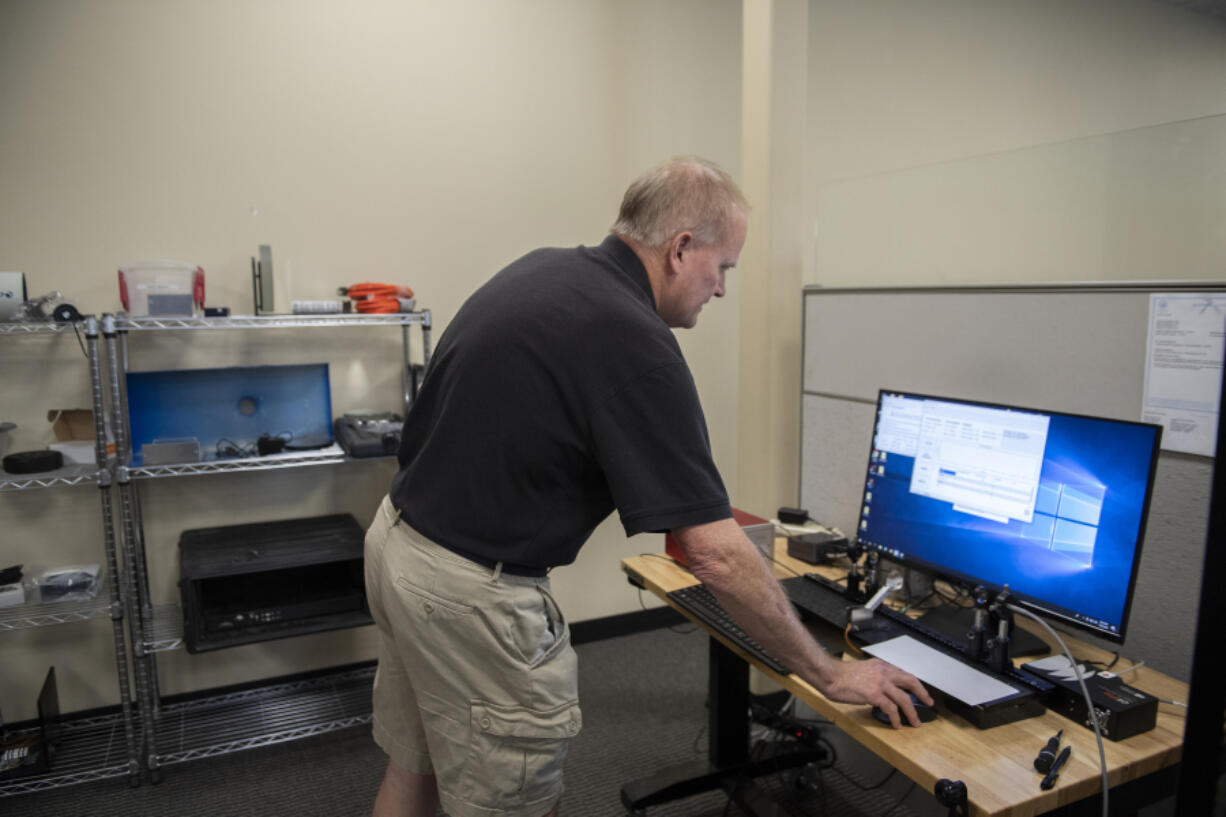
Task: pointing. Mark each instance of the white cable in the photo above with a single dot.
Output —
(1137, 665)
(1102, 754)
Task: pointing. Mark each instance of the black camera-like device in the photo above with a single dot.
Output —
(369, 434)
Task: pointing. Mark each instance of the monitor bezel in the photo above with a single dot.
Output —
(1033, 603)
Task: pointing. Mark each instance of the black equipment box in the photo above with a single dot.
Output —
(245, 583)
(369, 434)
(817, 547)
(1121, 710)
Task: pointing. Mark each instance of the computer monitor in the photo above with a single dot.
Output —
(1051, 505)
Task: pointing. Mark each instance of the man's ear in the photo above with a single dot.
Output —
(681, 244)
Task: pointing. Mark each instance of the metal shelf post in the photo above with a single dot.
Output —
(135, 603)
(112, 561)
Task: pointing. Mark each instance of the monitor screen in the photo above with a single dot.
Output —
(230, 407)
(1051, 505)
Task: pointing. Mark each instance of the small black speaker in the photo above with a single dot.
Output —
(33, 462)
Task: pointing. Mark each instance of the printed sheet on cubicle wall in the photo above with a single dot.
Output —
(228, 410)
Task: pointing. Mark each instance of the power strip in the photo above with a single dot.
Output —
(806, 733)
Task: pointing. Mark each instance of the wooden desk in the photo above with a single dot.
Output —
(995, 764)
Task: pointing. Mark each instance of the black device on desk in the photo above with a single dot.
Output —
(1121, 710)
(816, 547)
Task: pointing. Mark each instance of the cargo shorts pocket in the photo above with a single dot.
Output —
(517, 753)
(535, 628)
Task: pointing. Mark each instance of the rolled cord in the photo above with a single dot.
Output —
(1102, 754)
(847, 639)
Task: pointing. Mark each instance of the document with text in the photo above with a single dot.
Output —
(1183, 369)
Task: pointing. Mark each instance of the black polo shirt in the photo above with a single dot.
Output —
(555, 395)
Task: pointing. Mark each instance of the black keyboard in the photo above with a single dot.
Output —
(826, 599)
(699, 602)
(817, 596)
(829, 584)
(915, 626)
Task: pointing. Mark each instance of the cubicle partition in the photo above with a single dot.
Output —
(1078, 348)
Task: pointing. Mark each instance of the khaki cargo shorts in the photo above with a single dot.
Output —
(477, 680)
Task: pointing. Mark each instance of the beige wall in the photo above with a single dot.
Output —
(956, 141)
(429, 143)
(424, 143)
(967, 141)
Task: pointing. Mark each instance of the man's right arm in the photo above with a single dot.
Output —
(723, 558)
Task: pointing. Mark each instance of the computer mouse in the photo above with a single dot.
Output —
(926, 713)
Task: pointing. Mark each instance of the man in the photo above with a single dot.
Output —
(556, 395)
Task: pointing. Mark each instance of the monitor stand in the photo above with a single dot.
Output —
(956, 622)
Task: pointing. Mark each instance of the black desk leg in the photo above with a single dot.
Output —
(727, 707)
(728, 765)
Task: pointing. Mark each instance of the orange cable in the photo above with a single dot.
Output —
(370, 298)
(847, 638)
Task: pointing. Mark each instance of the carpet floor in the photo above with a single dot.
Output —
(644, 708)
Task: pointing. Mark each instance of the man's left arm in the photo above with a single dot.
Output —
(723, 558)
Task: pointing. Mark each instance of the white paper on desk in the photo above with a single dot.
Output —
(942, 671)
(1183, 369)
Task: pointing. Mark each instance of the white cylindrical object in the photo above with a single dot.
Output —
(326, 307)
(12, 295)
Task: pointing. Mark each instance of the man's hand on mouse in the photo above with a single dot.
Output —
(880, 684)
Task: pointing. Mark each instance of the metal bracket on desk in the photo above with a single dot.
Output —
(728, 766)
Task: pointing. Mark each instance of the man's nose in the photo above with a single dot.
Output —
(719, 289)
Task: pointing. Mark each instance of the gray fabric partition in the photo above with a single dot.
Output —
(1077, 348)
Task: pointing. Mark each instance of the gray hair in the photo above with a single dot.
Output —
(683, 193)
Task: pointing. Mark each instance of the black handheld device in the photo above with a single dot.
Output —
(1053, 773)
(1047, 755)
